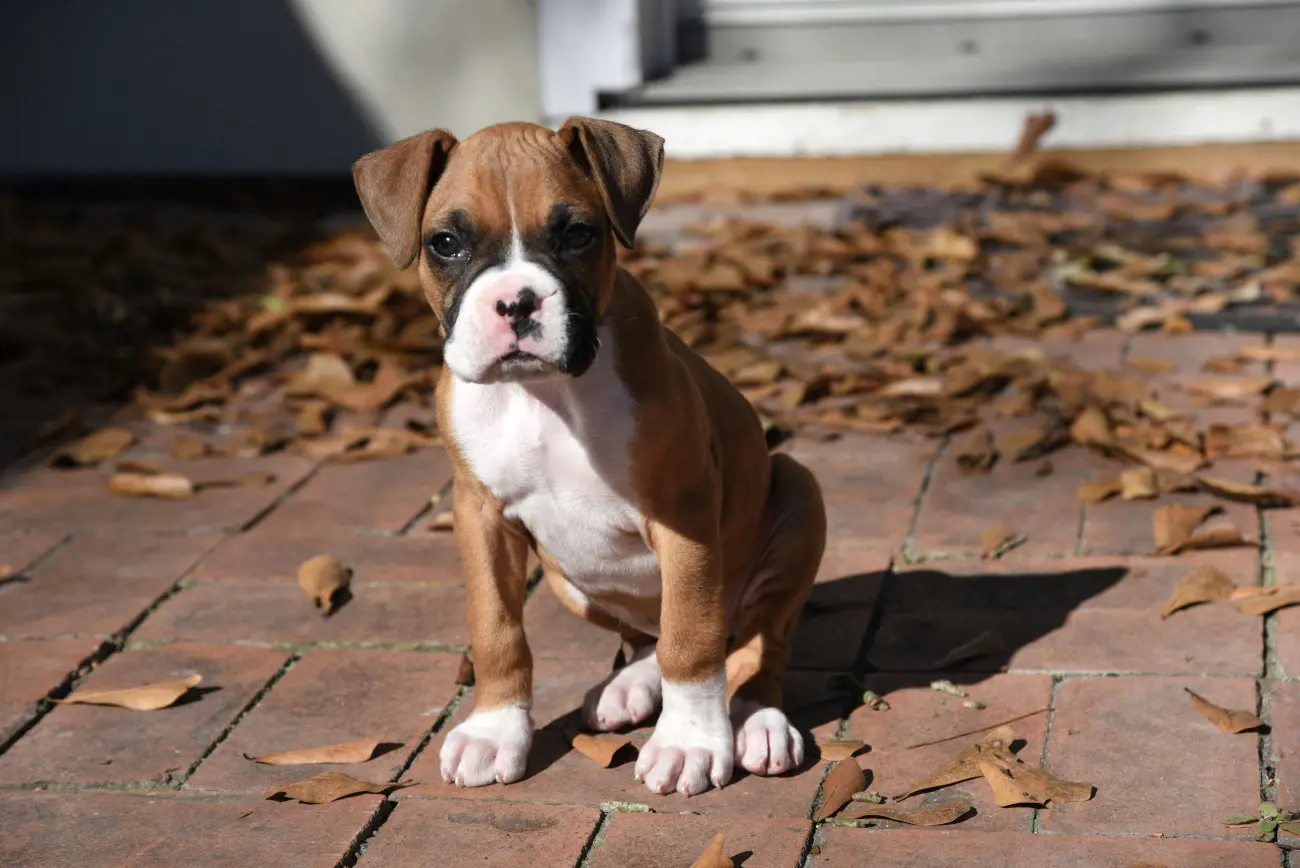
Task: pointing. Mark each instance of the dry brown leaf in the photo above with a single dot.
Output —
(1220, 535)
(1037, 125)
(1138, 483)
(999, 539)
(168, 486)
(995, 747)
(1247, 492)
(1279, 596)
(443, 521)
(1228, 388)
(1251, 591)
(976, 451)
(344, 752)
(1097, 490)
(326, 375)
(103, 444)
(845, 779)
(1172, 525)
(330, 787)
(1091, 428)
(322, 578)
(1022, 444)
(1150, 366)
(187, 447)
(1205, 584)
(834, 751)
(1022, 784)
(601, 748)
(313, 417)
(146, 697)
(714, 855)
(937, 815)
(1231, 722)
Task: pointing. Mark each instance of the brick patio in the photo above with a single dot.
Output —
(110, 592)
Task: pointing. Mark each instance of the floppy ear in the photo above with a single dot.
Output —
(394, 183)
(625, 163)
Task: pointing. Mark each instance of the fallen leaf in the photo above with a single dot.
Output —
(976, 451)
(1280, 597)
(937, 815)
(343, 752)
(964, 766)
(998, 726)
(1221, 535)
(168, 486)
(327, 375)
(1150, 366)
(845, 779)
(330, 787)
(987, 643)
(1022, 444)
(313, 417)
(834, 751)
(600, 749)
(1172, 525)
(146, 697)
(93, 448)
(1247, 492)
(1037, 125)
(1097, 490)
(443, 521)
(1228, 388)
(243, 815)
(1091, 428)
(1138, 483)
(999, 539)
(714, 855)
(1205, 584)
(1019, 783)
(322, 577)
(187, 447)
(1231, 722)
(943, 685)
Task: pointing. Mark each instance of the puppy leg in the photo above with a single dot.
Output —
(766, 743)
(492, 744)
(630, 694)
(692, 743)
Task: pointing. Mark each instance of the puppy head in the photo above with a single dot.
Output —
(513, 231)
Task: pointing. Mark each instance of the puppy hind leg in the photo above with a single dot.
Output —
(766, 742)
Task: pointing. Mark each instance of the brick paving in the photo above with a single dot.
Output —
(108, 592)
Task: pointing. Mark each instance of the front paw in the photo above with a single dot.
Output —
(692, 744)
(627, 697)
(766, 743)
(489, 746)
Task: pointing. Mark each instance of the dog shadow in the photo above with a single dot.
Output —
(905, 629)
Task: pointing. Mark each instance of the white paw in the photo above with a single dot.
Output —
(766, 743)
(489, 746)
(626, 697)
(691, 746)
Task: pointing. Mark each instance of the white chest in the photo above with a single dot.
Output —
(555, 452)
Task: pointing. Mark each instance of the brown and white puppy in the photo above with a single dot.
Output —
(581, 428)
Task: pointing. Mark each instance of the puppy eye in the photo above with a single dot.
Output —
(445, 245)
(577, 237)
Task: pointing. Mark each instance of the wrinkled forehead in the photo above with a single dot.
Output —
(523, 181)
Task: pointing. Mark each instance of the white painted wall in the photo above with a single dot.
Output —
(413, 64)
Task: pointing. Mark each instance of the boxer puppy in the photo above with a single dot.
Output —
(582, 429)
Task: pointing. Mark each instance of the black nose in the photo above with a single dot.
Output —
(521, 308)
(520, 312)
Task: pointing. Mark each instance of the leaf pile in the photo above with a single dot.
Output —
(322, 347)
